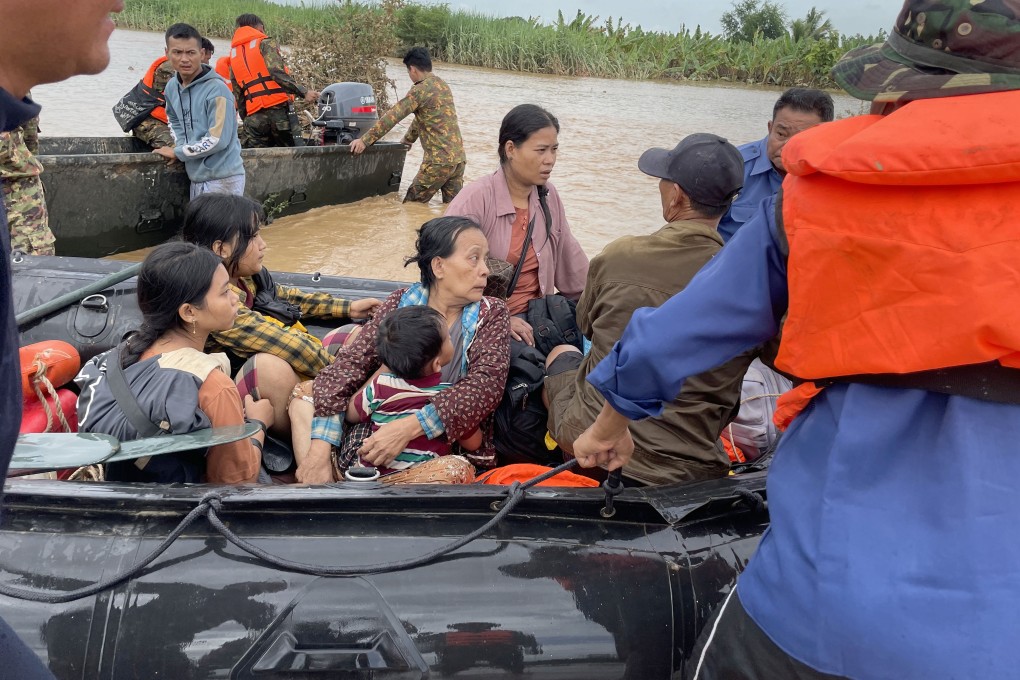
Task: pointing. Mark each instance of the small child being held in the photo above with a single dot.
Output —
(414, 345)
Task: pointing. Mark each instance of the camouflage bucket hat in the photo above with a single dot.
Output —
(939, 49)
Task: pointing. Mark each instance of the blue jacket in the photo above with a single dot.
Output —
(18, 660)
(761, 181)
(893, 550)
(12, 114)
(204, 124)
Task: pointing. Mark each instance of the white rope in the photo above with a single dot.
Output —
(39, 378)
(711, 636)
(88, 473)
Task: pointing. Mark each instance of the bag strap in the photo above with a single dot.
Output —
(543, 191)
(520, 263)
(125, 398)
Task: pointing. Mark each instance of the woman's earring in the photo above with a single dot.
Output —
(194, 328)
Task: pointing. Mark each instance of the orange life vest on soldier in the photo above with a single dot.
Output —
(251, 73)
(904, 240)
(159, 113)
(223, 68)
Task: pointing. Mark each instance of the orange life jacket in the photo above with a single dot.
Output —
(904, 239)
(251, 73)
(159, 113)
(523, 472)
(223, 68)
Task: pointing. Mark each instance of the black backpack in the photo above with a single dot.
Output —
(553, 319)
(520, 418)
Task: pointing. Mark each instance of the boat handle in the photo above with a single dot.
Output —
(96, 303)
(382, 654)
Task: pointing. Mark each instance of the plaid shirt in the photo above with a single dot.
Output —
(253, 332)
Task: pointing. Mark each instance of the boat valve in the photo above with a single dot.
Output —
(613, 486)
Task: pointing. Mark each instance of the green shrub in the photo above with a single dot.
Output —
(346, 41)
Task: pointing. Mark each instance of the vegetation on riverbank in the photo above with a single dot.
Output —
(344, 40)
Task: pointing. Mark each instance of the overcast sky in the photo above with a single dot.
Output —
(848, 16)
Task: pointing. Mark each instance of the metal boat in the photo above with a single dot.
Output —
(109, 195)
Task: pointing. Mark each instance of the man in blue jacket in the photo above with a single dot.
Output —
(74, 35)
(200, 109)
(796, 110)
(892, 550)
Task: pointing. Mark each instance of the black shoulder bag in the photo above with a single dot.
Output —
(520, 418)
(184, 467)
(495, 286)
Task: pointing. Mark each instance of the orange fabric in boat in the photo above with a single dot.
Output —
(524, 472)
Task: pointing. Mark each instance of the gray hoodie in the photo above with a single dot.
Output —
(204, 124)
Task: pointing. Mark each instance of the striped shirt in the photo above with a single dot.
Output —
(388, 398)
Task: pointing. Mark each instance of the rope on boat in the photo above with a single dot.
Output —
(212, 503)
(39, 380)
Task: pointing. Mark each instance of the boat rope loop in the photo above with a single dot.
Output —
(753, 500)
(613, 486)
(212, 504)
(39, 380)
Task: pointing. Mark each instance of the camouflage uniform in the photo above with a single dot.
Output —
(435, 121)
(23, 190)
(153, 131)
(957, 33)
(269, 127)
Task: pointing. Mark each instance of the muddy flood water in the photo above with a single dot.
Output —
(605, 126)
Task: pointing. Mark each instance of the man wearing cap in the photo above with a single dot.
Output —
(698, 180)
(892, 249)
(796, 110)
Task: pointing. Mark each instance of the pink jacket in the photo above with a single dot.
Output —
(562, 265)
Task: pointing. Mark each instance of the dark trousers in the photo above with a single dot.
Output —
(733, 647)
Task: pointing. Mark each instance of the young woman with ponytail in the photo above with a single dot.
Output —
(184, 295)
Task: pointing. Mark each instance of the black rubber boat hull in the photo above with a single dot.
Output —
(110, 195)
(555, 591)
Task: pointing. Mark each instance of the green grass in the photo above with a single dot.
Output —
(581, 47)
(216, 17)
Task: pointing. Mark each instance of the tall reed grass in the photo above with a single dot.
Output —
(581, 47)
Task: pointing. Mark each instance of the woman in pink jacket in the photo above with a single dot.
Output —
(518, 196)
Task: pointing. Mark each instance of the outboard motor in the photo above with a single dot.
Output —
(346, 111)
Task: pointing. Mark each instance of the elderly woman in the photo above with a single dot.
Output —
(451, 255)
(518, 200)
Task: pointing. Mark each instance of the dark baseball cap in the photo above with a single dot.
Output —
(707, 167)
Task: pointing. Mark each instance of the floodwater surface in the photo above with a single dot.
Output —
(605, 126)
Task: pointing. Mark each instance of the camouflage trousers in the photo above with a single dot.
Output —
(154, 132)
(267, 127)
(432, 178)
(27, 216)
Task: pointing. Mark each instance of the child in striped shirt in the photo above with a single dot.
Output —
(413, 344)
